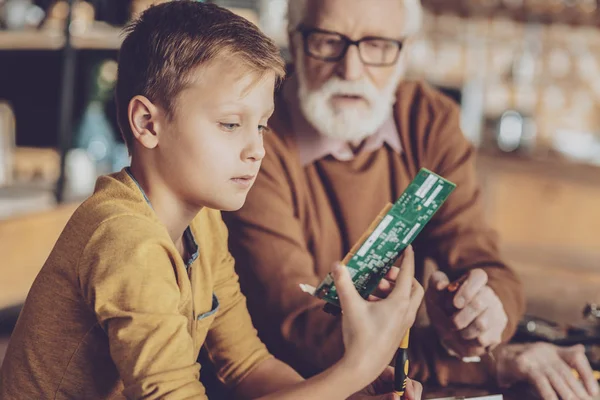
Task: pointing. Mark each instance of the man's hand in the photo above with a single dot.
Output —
(383, 389)
(476, 319)
(548, 368)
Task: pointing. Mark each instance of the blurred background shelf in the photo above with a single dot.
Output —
(31, 40)
(99, 38)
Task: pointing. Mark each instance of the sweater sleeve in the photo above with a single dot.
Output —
(458, 238)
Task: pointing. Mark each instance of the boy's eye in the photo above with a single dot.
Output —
(262, 129)
(229, 127)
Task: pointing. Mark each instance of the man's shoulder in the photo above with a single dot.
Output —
(424, 115)
(112, 224)
(420, 96)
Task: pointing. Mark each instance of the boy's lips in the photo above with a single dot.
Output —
(244, 180)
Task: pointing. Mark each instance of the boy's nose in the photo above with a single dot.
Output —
(255, 151)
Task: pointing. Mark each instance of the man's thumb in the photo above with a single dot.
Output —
(344, 286)
(438, 280)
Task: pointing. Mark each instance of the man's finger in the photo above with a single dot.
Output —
(477, 280)
(575, 358)
(437, 314)
(558, 383)
(346, 291)
(473, 309)
(438, 281)
(479, 326)
(577, 387)
(405, 277)
(543, 386)
(491, 337)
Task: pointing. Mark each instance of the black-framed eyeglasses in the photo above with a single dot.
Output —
(332, 46)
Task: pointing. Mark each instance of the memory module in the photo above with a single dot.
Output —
(394, 229)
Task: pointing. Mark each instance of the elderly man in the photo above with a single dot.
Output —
(348, 137)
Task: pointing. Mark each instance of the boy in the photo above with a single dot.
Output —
(141, 278)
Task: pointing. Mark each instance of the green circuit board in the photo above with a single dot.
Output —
(391, 232)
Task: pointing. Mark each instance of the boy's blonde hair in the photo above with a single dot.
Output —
(169, 41)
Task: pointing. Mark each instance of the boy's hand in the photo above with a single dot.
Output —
(372, 331)
(383, 389)
(478, 318)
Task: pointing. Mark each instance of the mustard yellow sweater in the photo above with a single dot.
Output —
(116, 312)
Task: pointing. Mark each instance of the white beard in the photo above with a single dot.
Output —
(350, 123)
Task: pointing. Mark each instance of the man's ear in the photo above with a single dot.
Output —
(144, 121)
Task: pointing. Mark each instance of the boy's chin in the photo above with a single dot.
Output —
(230, 204)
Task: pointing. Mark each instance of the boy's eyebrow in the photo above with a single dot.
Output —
(229, 106)
(232, 106)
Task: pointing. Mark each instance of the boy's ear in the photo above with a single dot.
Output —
(144, 120)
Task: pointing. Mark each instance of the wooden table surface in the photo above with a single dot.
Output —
(518, 393)
(464, 391)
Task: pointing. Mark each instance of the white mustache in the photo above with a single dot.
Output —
(337, 87)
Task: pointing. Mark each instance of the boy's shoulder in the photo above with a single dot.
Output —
(116, 200)
(117, 211)
(118, 205)
(118, 216)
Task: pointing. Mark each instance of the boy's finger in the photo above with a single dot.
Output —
(383, 289)
(416, 297)
(418, 390)
(346, 291)
(373, 298)
(414, 390)
(405, 276)
(392, 274)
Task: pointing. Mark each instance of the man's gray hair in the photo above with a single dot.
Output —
(413, 22)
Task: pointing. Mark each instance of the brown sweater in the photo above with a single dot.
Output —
(116, 311)
(298, 220)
